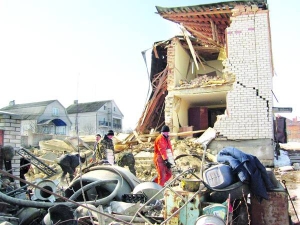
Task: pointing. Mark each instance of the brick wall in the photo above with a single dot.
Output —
(170, 80)
(249, 104)
(11, 125)
(293, 130)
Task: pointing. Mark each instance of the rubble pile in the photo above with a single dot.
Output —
(118, 190)
(200, 81)
(187, 153)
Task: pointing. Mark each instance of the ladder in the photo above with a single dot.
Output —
(35, 161)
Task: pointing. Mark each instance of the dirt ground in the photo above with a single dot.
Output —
(292, 179)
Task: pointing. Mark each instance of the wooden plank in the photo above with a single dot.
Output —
(193, 52)
(213, 31)
(186, 133)
(211, 41)
(196, 14)
(137, 136)
(151, 132)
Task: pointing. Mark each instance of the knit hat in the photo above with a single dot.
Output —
(165, 129)
(110, 132)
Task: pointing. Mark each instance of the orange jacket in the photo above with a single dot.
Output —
(161, 144)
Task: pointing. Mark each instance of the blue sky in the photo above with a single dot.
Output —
(90, 50)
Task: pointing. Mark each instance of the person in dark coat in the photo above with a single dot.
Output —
(24, 168)
(68, 164)
(105, 145)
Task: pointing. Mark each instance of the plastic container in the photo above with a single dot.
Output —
(209, 220)
(149, 189)
(219, 210)
(110, 156)
(219, 176)
(170, 156)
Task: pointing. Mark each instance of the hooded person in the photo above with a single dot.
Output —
(68, 164)
(106, 149)
(162, 145)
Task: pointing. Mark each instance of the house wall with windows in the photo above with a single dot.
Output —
(109, 117)
(86, 123)
(100, 120)
(56, 111)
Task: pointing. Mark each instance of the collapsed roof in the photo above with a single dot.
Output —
(207, 25)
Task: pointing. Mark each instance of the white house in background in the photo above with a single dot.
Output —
(95, 117)
(47, 117)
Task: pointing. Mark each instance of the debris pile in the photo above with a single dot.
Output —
(201, 81)
(108, 194)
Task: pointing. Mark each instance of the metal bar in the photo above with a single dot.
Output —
(35, 161)
(62, 197)
(167, 186)
(190, 199)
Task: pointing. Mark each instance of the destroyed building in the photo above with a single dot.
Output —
(220, 76)
(217, 78)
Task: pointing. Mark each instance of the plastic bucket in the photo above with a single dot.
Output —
(216, 210)
(110, 156)
(209, 220)
(170, 156)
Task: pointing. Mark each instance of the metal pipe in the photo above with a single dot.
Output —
(19, 167)
(95, 183)
(165, 187)
(70, 203)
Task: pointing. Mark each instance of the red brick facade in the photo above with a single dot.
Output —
(293, 130)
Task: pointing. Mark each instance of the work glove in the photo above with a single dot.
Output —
(168, 164)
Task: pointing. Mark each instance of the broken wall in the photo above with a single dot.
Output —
(10, 124)
(181, 65)
(178, 101)
(249, 104)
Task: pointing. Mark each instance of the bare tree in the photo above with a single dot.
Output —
(88, 129)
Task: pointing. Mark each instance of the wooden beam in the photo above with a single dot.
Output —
(180, 134)
(204, 25)
(203, 48)
(188, 14)
(213, 32)
(152, 103)
(219, 21)
(137, 136)
(193, 52)
(186, 133)
(151, 132)
(204, 36)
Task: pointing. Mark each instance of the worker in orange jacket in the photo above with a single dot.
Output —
(162, 164)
